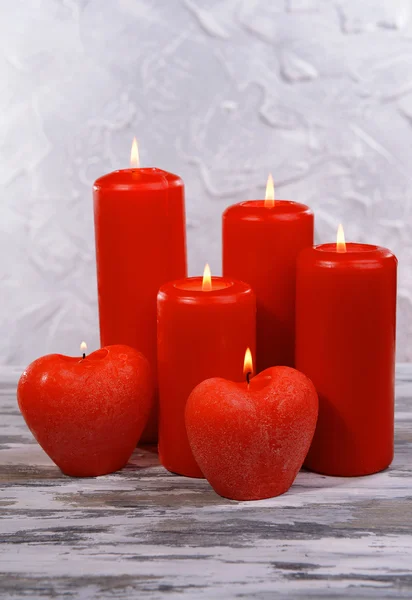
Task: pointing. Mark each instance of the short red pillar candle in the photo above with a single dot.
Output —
(202, 333)
(261, 241)
(345, 343)
(140, 244)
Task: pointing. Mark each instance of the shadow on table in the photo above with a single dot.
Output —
(144, 457)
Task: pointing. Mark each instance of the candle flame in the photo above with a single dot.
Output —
(248, 363)
(270, 193)
(83, 347)
(340, 240)
(134, 155)
(207, 279)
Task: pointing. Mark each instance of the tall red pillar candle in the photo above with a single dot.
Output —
(261, 241)
(140, 244)
(203, 331)
(345, 343)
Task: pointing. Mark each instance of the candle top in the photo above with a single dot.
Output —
(358, 255)
(78, 364)
(256, 384)
(189, 291)
(255, 210)
(148, 178)
(97, 355)
(351, 248)
(195, 284)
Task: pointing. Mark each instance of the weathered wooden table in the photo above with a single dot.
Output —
(144, 533)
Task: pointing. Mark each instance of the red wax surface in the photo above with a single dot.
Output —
(140, 244)
(250, 442)
(201, 334)
(345, 342)
(260, 247)
(87, 413)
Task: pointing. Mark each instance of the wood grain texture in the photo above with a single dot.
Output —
(145, 533)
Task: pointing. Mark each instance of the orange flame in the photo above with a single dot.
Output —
(270, 193)
(83, 348)
(340, 240)
(248, 364)
(207, 279)
(134, 155)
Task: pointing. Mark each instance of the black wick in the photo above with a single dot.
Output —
(248, 375)
(84, 354)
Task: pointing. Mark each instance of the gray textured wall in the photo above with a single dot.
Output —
(318, 92)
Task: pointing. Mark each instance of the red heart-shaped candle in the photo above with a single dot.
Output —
(251, 441)
(87, 413)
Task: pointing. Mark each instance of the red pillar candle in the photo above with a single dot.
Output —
(140, 244)
(204, 327)
(261, 241)
(345, 343)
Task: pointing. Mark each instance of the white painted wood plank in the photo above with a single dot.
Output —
(144, 532)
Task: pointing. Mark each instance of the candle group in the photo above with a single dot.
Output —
(329, 310)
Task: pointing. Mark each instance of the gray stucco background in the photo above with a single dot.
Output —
(222, 92)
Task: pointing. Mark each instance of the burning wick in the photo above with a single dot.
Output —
(248, 366)
(270, 193)
(83, 347)
(134, 155)
(340, 240)
(207, 279)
